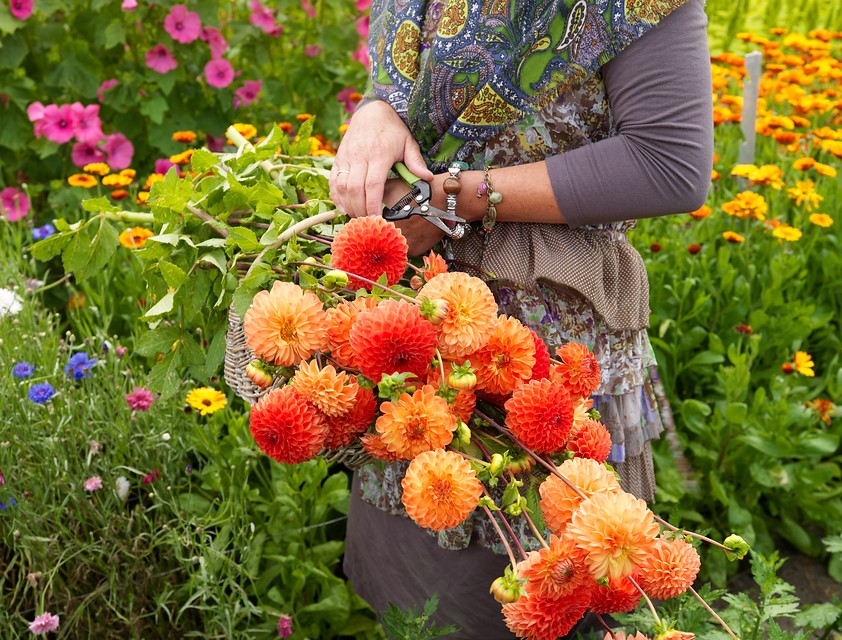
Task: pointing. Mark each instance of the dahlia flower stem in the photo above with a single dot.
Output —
(509, 529)
(608, 629)
(502, 536)
(713, 613)
(130, 216)
(535, 529)
(207, 218)
(468, 456)
(684, 532)
(238, 139)
(325, 216)
(648, 601)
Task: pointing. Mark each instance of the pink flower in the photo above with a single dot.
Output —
(262, 17)
(362, 26)
(120, 351)
(35, 113)
(363, 5)
(44, 623)
(182, 25)
(218, 45)
(309, 9)
(86, 123)
(247, 94)
(129, 5)
(215, 143)
(14, 204)
(285, 625)
(105, 86)
(361, 55)
(21, 9)
(344, 96)
(219, 73)
(312, 50)
(119, 151)
(140, 399)
(162, 165)
(159, 59)
(150, 477)
(86, 153)
(57, 124)
(94, 483)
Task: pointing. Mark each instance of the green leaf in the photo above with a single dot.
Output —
(202, 160)
(115, 33)
(159, 340)
(77, 70)
(244, 238)
(154, 108)
(217, 259)
(13, 52)
(173, 275)
(736, 412)
(49, 248)
(164, 376)
(820, 444)
(163, 306)
(242, 300)
(216, 351)
(833, 543)
(90, 249)
(818, 616)
(98, 205)
(704, 359)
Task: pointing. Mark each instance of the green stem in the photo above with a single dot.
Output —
(325, 216)
(648, 601)
(713, 613)
(684, 532)
(129, 216)
(502, 536)
(535, 529)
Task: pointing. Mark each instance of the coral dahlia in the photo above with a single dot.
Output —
(339, 321)
(541, 369)
(345, 428)
(374, 446)
(370, 247)
(670, 569)
(330, 392)
(616, 531)
(579, 369)
(540, 414)
(464, 403)
(471, 312)
(440, 489)
(592, 441)
(392, 338)
(286, 427)
(618, 596)
(506, 360)
(417, 423)
(285, 325)
(434, 264)
(535, 618)
(556, 571)
(559, 502)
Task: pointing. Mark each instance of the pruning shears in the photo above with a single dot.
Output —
(417, 203)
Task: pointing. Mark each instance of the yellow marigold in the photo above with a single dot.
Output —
(99, 168)
(733, 236)
(769, 174)
(330, 392)
(802, 164)
(804, 192)
(248, 131)
(670, 569)
(803, 363)
(785, 232)
(303, 117)
(471, 312)
(343, 128)
(82, 180)
(417, 423)
(440, 489)
(616, 531)
(142, 197)
(116, 180)
(129, 173)
(747, 204)
(559, 501)
(285, 325)
(833, 147)
(825, 169)
(186, 137)
(135, 237)
(506, 360)
(821, 219)
(206, 400)
(183, 157)
(701, 213)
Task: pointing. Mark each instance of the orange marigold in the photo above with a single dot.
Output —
(374, 446)
(285, 325)
(556, 571)
(506, 360)
(670, 569)
(286, 427)
(616, 531)
(701, 213)
(369, 247)
(339, 320)
(559, 501)
(184, 136)
(536, 618)
(440, 489)
(82, 180)
(392, 338)
(330, 392)
(540, 415)
(579, 370)
(471, 312)
(135, 237)
(618, 596)
(417, 423)
(345, 428)
(434, 264)
(592, 441)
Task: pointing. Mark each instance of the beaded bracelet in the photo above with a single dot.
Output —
(452, 186)
(494, 198)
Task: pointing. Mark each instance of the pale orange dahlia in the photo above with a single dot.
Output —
(331, 392)
(535, 618)
(616, 531)
(369, 247)
(579, 369)
(540, 415)
(434, 264)
(556, 571)
(558, 501)
(417, 423)
(392, 338)
(339, 321)
(440, 489)
(670, 569)
(286, 427)
(285, 325)
(618, 596)
(373, 445)
(471, 312)
(345, 428)
(592, 441)
(581, 414)
(464, 403)
(506, 360)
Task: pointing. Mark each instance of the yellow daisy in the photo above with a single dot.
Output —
(206, 400)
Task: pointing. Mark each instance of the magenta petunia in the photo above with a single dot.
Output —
(219, 73)
(57, 124)
(44, 623)
(159, 59)
(86, 153)
(215, 143)
(140, 399)
(106, 85)
(363, 5)
(162, 165)
(87, 126)
(362, 26)
(129, 5)
(308, 7)
(264, 19)
(361, 55)
(118, 151)
(344, 97)
(218, 45)
(21, 9)
(14, 204)
(247, 94)
(182, 25)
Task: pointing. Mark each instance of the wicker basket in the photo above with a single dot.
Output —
(238, 356)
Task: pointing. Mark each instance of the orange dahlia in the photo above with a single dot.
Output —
(669, 569)
(374, 446)
(464, 403)
(559, 502)
(440, 489)
(540, 414)
(392, 338)
(541, 369)
(619, 635)
(618, 596)
(556, 571)
(535, 618)
(471, 312)
(417, 423)
(339, 321)
(592, 441)
(370, 247)
(434, 264)
(616, 531)
(579, 369)
(285, 325)
(581, 414)
(330, 392)
(286, 427)
(506, 360)
(345, 428)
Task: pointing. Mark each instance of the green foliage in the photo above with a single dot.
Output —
(410, 624)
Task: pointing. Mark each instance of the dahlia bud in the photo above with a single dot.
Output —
(463, 432)
(505, 590)
(516, 508)
(498, 463)
(520, 463)
(595, 415)
(416, 283)
(335, 279)
(435, 311)
(462, 377)
(737, 547)
(309, 260)
(258, 374)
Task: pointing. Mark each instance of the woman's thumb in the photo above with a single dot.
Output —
(414, 161)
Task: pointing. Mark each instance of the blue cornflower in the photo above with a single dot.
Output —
(23, 370)
(40, 233)
(79, 366)
(41, 392)
(12, 503)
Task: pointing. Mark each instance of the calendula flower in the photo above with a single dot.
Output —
(825, 170)
(744, 329)
(285, 325)
(440, 489)
(303, 117)
(119, 194)
(670, 569)
(339, 321)
(506, 360)
(618, 596)
(183, 157)
(369, 247)
(802, 164)
(592, 440)
(331, 392)
(535, 618)
(733, 237)
(344, 429)
(785, 232)
(116, 180)
(559, 501)
(769, 174)
(579, 370)
(823, 408)
(83, 180)
(135, 238)
(417, 423)
(804, 193)
(248, 131)
(747, 204)
(187, 137)
(555, 571)
(803, 363)
(99, 168)
(694, 248)
(540, 415)
(206, 400)
(286, 427)
(821, 219)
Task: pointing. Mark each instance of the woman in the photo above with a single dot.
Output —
(584, 117)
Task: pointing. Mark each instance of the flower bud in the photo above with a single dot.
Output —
(416, 283)
(258, 374)
(521, 463)
(505, 591)
(497, 464)
(335, 279)
(737, 547)
(435, 311)
(463, 432)
(309, 260)
(462, 378)
(674, 634)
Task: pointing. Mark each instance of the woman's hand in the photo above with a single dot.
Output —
(420, 235)
(376, 138)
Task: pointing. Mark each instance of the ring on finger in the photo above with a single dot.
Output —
(343, 171)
